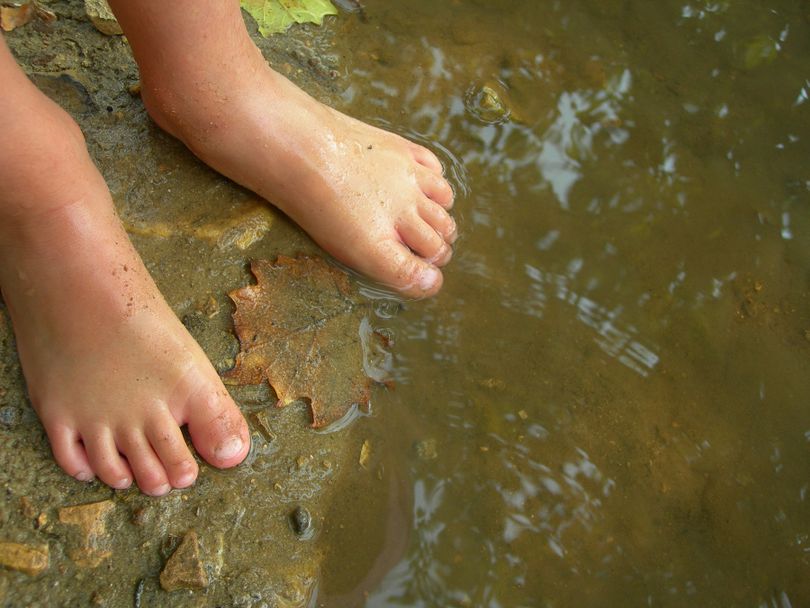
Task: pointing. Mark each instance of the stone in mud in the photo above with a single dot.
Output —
(9, 416)
(426, 449)
(301, 522)
(184, 569)
(31, 559)
(489, 103)
(91, 521)
(102, 17)
(365, 454)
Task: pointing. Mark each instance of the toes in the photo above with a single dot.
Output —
(408, 273)
(422, 239)
(148, 470)
(438, 218)
(436, 188)
(218, 429)
(167, 441)
(426, 158)
(103, 455)
(69, 453)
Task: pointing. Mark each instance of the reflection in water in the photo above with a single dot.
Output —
(615, 373)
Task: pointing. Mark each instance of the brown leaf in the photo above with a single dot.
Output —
(12, 17)
(301, 328)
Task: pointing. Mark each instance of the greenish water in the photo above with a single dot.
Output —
(608, 403)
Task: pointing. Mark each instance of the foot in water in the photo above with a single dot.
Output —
(110, 370)
(376, 201)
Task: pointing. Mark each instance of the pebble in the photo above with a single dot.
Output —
(31, 559)
(365, 454)
(9, 416)
(102, 17)
(426, 449)
(185, 568)
(301, 522)
(91, 521)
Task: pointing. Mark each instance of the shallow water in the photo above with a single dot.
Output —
(608, 402)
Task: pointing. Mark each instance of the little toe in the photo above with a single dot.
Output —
(103, 455)
(167, 441)
(422, 239)
(69, 453)
(398, 267)
(441, 221)
(218, 429)
(436, 188)
(147, 468)
(426, 158)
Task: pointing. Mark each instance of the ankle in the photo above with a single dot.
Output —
(44, 165)
(190, 97)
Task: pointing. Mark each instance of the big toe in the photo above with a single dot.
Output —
(217, 428)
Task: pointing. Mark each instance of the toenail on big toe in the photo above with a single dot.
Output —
(229, 448)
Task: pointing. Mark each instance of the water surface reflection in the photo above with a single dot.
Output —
(615, 375)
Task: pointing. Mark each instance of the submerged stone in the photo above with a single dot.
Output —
(488, 103)
(31, 559)
(91, 521)
(301, 522)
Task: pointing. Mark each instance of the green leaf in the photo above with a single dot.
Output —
(275, 16)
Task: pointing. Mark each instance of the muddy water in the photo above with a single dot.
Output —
(608, 403)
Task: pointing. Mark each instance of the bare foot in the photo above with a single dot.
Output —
(374, 200)
(110, 370)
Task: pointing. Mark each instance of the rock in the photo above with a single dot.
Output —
(31, 559)
(301, 522)
(265, 426)
(365, 454)
(488, 103)
(91, 520)
(9, 416)
(184, 569)
(102, 17)
(27, 507)
(426, 449)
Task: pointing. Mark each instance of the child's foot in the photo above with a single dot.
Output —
(374, 200)
(110, 370)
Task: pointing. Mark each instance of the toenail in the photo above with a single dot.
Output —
(84, 476)
(229, 448)
(122, 484)
(429, 278)
(185, 480)
(161, 490)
